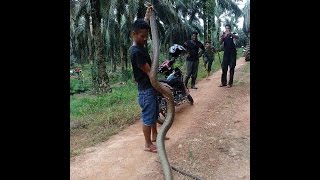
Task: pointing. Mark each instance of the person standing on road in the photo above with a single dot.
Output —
(141, 66)
(208, 57)
(229, 56)
(192, 47)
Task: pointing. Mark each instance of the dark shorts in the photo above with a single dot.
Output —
(149, 104)
(192, 68)
(209, 61)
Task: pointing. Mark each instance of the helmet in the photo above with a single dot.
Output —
(176, 50)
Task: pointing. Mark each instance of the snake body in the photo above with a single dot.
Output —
(166, 92)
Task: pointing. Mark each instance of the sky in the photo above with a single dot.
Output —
(241, 6)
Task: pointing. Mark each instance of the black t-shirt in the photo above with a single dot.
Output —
(228, 43)
(193, 49)
(139, 56)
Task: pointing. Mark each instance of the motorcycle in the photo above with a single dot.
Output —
(174, 81)
(76, 73)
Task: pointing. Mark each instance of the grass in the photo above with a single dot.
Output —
(247, 67)
(99, 117)
(246, 71)
(96, 118)
(88, 105)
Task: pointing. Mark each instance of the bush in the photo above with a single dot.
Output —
(120, 76)
(77, 86)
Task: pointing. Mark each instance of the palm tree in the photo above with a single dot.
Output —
(205, 19)
(246, 27)
(176, 20)
(81, 31)
(211, 19)
(246, 16)
(222, 9)
(100, 76)
(89, 35)
(131, 8)
(100, 29)
(208, 18)
(78, 36)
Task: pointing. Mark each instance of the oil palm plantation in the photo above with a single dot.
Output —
(246, 27)
(100, 30)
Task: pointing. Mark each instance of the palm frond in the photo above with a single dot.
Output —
(246, 16)
(230, 6)
(105, 6)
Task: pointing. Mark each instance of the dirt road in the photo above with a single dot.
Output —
(210, 139)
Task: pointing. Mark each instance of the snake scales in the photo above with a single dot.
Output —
(166, 92)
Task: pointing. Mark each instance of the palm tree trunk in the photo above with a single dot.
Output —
(210, 26)
(114, 69)
(204, 18)
(171, 39)
(113, 60)
(126, 57)
(119, 44)
(104, 36)
(130, 17)
(122, 57)
(73, 46)
(88, 31)
(101, 80)
(211, 20)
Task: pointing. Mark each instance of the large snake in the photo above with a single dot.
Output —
(166, 92)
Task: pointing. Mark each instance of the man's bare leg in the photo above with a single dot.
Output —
(154, 133)
(147, 135)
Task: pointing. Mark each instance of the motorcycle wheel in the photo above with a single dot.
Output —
(162, 117)
(247, 57)
(162, 110)
(190, 99)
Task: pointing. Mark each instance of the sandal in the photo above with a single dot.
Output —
(152, 149)
(222, 85)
